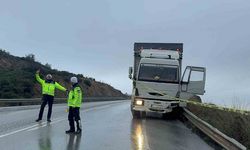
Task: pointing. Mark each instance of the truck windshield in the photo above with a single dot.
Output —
(158, 73)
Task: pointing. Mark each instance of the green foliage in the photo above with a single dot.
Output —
(93, 79)
(18, 81)
(233, 124)
(30, 57)
(48, 65)
(79, 76)
(17, 78)
(3, 52)
(87, 82)
(16, 84)
(63, 73)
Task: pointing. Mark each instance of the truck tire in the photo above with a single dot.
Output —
(174, 114)
(143, 114)
(138, 114)
(165, 116)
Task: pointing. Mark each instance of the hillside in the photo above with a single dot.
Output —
(233, 124)
(17, 79)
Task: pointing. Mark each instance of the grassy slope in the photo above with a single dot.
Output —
(232, 124)
(17, 79)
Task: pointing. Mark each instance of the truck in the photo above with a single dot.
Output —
(158, 83)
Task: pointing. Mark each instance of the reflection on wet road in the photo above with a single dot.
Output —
(44, 140)
(139, 140)
(138, 137)
(106, 126)
(74, 142)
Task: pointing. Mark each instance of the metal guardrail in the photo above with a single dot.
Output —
(222, 139)
(34, 101)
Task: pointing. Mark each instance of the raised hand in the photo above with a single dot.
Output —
(38, 71)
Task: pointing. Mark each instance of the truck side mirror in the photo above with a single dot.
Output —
(130, 71)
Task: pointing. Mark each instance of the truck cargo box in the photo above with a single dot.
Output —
(163, 46)
(154, 46)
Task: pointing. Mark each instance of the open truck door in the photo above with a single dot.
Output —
(193, 80)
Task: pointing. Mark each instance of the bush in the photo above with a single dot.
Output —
(30, 57)
(4, 52)
(8, 95)
(16, 83)
(87, 82)
(233, 124)
(48, 65)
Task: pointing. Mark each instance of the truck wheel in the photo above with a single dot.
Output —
(165, 116)
(177, 112)
(143, 114)
(136, 114)
(174, 114)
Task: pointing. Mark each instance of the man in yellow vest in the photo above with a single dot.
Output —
(48, 91)
(74, 103)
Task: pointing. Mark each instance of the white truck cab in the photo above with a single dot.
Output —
(157, 79)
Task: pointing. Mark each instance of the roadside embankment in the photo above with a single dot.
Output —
(233, 124)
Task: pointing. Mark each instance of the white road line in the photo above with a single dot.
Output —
(32, 129)
(7, 134)
(62, 119)
(58, 120)
(37, 126)
(145, 135)
(46, 124)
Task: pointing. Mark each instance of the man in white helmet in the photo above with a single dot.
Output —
(74, 103)
(48, 91)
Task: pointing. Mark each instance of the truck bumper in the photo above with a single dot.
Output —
(157, 106)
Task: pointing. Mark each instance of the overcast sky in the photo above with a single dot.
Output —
(95, 37)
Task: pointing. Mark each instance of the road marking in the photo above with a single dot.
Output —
(7, 134)
(58, 121)
(62, 119)
(145, 135)
(43, 124)
(37, 127)
(96, 108)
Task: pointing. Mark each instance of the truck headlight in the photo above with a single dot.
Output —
(139, 102)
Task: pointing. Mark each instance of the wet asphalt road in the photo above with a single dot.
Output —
(106, 126)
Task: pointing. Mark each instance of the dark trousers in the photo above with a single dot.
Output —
(46, 99)
(74, 115)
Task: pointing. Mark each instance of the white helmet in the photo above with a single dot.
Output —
(48, 76)
(73, 80)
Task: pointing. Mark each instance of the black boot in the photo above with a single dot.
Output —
(79, 130)
(72, 127)
(70, 131)
(37, 120)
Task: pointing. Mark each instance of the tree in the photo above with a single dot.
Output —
(87, 82)
(48, 65)
(30, 57)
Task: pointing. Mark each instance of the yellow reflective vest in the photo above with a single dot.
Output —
(75, 97)
(49, 88)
